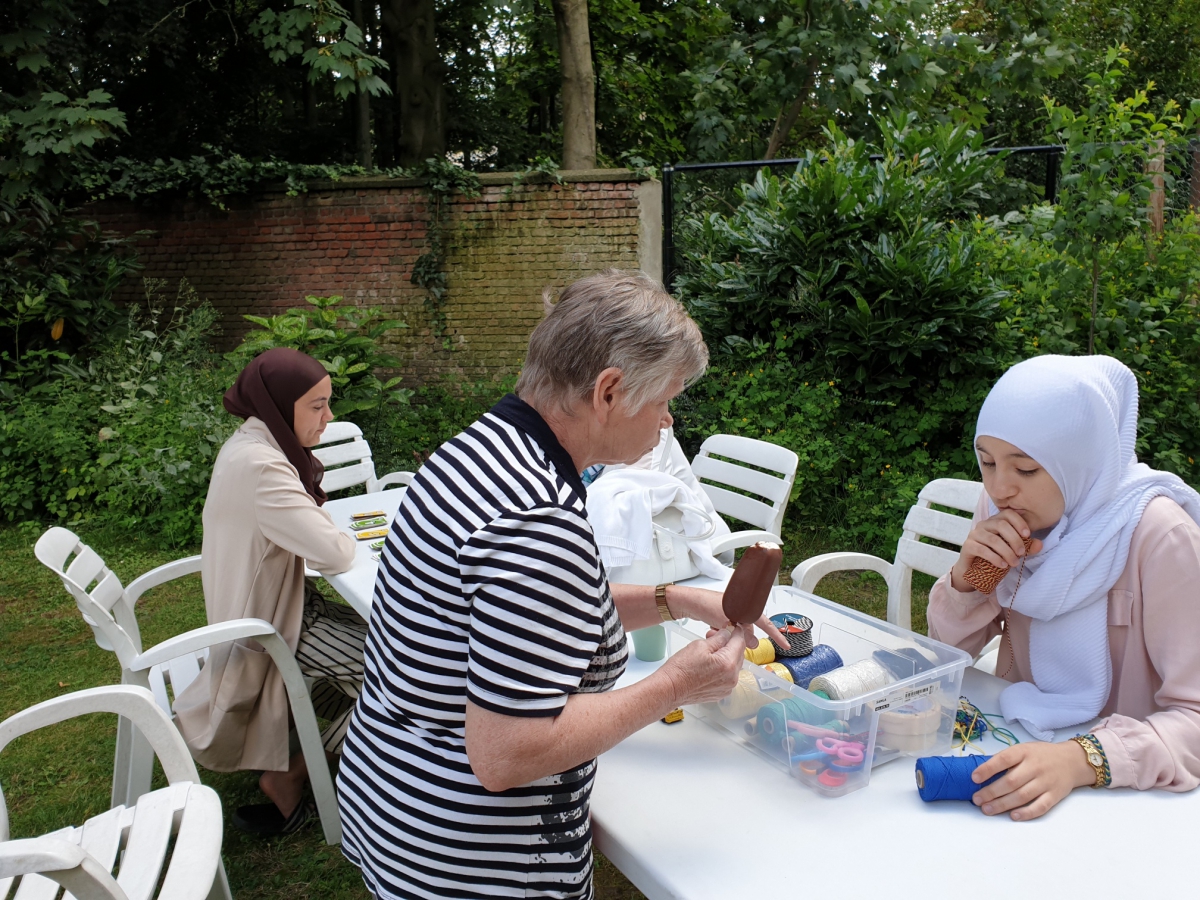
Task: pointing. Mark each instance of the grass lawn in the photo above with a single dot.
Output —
(63, 774)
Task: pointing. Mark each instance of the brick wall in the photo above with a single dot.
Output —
(360, 239)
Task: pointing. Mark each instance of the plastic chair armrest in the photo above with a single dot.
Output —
(742, 539)
(201, 638)
(161, 575)
(68, 864)
(404, 478)
(806, 575)
(130, 701)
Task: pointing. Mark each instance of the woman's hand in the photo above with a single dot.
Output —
(1038, 777)
(697, 603)
(707, 670)
(1000, 540)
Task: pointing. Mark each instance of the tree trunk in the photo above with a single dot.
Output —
(362, 105)
(420, 95)
(787, 117)
(578, 84)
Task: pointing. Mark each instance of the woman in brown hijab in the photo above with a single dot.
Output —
(262, 523)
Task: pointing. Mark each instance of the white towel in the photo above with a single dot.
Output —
(1077, 417)
(622, 504)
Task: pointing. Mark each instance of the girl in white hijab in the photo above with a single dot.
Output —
(1100, 615)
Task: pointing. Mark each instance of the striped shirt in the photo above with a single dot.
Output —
(490, 587)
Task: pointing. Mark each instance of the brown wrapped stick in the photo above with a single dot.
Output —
(747, 592)
(984, 576)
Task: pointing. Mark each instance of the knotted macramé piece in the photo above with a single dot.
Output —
(747, 592)
(983, 576)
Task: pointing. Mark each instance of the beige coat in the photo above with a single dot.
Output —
(260, 526)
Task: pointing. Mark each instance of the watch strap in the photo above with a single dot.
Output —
(660, 600)
(1096, 758)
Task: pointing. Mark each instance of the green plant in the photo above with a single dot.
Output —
(854, 259)
(1106, 190)
(128, 435)
(443, 180)
(58, 274)
(345, 340)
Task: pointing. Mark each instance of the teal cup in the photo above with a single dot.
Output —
(650, 644)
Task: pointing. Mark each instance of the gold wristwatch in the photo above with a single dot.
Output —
(660, 600)
(1095, 757)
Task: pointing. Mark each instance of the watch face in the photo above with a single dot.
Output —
(1096, 759)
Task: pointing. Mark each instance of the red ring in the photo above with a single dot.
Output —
(829, 778)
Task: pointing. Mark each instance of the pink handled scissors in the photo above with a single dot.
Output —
(849, 753)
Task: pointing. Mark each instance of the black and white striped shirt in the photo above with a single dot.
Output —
(490, 587)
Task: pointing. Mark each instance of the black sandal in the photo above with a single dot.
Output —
(265, 819)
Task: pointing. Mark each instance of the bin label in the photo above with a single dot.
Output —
(901, 698)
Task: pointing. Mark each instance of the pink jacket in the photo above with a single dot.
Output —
(1151, 733)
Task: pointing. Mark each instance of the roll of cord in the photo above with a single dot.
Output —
(949, 777)
(822, 660)
(862, 677)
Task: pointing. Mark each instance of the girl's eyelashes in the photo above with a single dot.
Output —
(1028, 471)
(987, 465)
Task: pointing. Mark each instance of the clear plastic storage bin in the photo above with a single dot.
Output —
(832, 745)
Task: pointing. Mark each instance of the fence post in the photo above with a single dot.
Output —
(1053, 164)
(668, 231)
(1156, 167)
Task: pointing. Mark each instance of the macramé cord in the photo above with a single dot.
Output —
(970, 723)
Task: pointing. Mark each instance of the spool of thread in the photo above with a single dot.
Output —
(772, 726)
(745, 700)
(852, 681)
(804, 669)
(762, 654)
(780, 670)
(798, 631)
(949, 777)
(773, 718)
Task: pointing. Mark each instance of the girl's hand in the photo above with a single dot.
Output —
(698, 603)
(1039, 776)
(1000, 540)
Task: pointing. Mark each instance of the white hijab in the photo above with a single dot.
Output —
(1077, 417)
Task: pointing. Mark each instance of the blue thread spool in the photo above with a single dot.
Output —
(949, 777)
(772, 726)
(804, 669)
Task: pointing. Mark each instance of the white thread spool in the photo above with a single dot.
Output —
(852, 681)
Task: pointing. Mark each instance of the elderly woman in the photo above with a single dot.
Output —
(495, 637)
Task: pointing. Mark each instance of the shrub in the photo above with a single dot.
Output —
(345, 340)
(854, 259)
(130, 436)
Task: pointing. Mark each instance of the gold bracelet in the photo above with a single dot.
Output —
(1096, 758)
(660, 600)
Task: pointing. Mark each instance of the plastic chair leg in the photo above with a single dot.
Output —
(220, 886)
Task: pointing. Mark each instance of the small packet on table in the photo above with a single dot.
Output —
(373, 514)
(369, 523)
(378, 545)
(372, 535)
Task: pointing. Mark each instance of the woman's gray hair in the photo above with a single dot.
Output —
(623, 320)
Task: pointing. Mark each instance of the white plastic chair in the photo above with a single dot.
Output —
(922, 521)
(771, 492)
(109, 609)
(81, 859)
(347, 460)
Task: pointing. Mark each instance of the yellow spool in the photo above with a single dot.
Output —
(762, 654)
(781, 670)
(746, 698)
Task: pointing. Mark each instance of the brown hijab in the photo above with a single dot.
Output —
(268, 389)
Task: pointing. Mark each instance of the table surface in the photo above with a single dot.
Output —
(357, 585)
(684, 812)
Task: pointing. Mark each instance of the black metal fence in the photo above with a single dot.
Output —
(689, 187)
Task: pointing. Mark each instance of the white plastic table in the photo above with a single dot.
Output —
(357, 585)
(684, 812)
